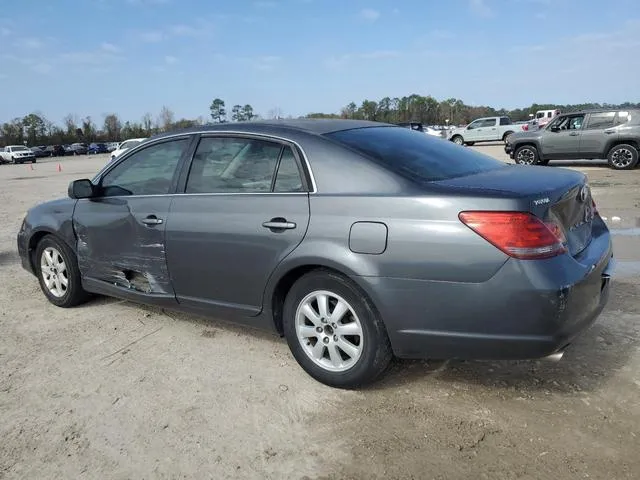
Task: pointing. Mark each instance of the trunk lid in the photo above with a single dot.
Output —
(554, 195)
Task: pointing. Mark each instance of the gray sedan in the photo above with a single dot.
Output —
(355, 240)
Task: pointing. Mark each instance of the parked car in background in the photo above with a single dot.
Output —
(126, 145)
(17, 154)
(355, 240)
(57, 150)
(611, 133)
(420, 127)
(40, 152)
(97, 148)
(543, 117)
(489, 129)
(79, 148)
(68, 150)
(111, 146)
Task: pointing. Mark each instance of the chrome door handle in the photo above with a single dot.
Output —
(152, 220)
(609, 132)
(279, 224)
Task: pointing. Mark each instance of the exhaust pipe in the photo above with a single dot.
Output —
(554, 357)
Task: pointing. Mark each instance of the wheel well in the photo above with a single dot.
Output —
(284, 285)
(33, 244)
(506, 134)
(633, 143)
(525, 144)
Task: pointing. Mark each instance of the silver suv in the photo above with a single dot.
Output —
(613, 134)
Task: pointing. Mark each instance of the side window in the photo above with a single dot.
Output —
(622, 118)
(504, 121)
(475, 124)
(600, 120)
(288, 178)
(233, 165)
(489, 122)
(575, 123)
(147, 172)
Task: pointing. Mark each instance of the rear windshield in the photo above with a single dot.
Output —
(415, 155)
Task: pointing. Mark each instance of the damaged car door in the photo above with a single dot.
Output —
(121, 229)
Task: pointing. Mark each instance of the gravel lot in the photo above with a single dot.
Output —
(116, 390)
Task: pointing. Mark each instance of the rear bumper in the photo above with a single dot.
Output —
(527, 310)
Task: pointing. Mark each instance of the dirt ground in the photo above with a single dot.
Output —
(116, 390)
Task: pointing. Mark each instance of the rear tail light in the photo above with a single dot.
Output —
(525, 127)
(518, 234)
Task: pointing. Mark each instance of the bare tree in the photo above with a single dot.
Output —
(275, 112)
(166, 118)
(112, 126)
(147, 123)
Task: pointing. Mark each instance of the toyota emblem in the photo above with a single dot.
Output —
(584, 193)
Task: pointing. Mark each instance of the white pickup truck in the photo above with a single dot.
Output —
(17, 154)
(488, 129)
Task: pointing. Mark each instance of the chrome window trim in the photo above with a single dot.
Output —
(150, 142)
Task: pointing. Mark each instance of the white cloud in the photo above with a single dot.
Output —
(31, 43)
(480, 8)
(151, 37)
(109, 47)
(264, 4)
(341, 60)
(148, 2)
(42, 68)
(442, 34)
(170, 59)
(369, 14)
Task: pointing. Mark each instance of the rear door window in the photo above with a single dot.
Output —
(622, 118)
(601, 120)
(416, 157)
(234, 165)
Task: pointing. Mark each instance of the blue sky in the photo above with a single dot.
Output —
(92, 57)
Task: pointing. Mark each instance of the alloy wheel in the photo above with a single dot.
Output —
(329, 331)
(54, 272)
(622, 157)
(526, 157)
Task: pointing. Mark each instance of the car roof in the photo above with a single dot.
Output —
(318, 126)
(602, 110)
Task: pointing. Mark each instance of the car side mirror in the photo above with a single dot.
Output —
(81, 189)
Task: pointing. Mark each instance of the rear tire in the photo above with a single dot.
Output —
(347, 351)
(57, 268)
(505, 136)
(527, 155)
(623, 157)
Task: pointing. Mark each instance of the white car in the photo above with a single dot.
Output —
(126, 145)
(432, 131)
(16, 154)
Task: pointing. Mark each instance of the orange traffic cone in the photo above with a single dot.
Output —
(59, 167)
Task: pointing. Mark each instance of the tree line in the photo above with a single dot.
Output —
(36, 129)
(430, 111)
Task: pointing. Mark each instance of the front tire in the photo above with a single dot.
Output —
(458, 140)
(623, 157)
(334, 331)
(58, 273)
(527, 155)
